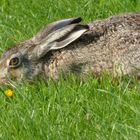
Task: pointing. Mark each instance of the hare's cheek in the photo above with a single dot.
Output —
(15, 74)
(3, 75)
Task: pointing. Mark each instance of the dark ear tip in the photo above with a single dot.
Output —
(79, 26)
(76, 20)
(86, 26)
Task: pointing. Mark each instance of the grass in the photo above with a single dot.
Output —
(70, 109)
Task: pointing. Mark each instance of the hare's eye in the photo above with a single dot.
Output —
(14, 62)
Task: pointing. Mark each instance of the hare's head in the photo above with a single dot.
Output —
(23, 61)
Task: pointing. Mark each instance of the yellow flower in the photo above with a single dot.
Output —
(9, 93)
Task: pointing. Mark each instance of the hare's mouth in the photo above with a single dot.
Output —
(3, 81)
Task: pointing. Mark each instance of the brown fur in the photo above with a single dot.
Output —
(111, 45)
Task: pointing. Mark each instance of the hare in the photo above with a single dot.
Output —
(111, 45)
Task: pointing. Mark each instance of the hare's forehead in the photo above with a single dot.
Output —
(7, 55)
(3, 61)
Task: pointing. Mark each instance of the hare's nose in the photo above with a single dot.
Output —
(3, 81)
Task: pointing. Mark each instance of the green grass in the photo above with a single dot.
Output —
(69, 109)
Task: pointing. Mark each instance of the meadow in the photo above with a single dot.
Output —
(101, 108)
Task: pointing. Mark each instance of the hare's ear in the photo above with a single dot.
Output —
(53, 27)
(59, 39)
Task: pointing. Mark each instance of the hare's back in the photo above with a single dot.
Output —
(112, 43)
(119, 39)
(116, 23)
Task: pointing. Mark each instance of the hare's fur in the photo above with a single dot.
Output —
(111, 45)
